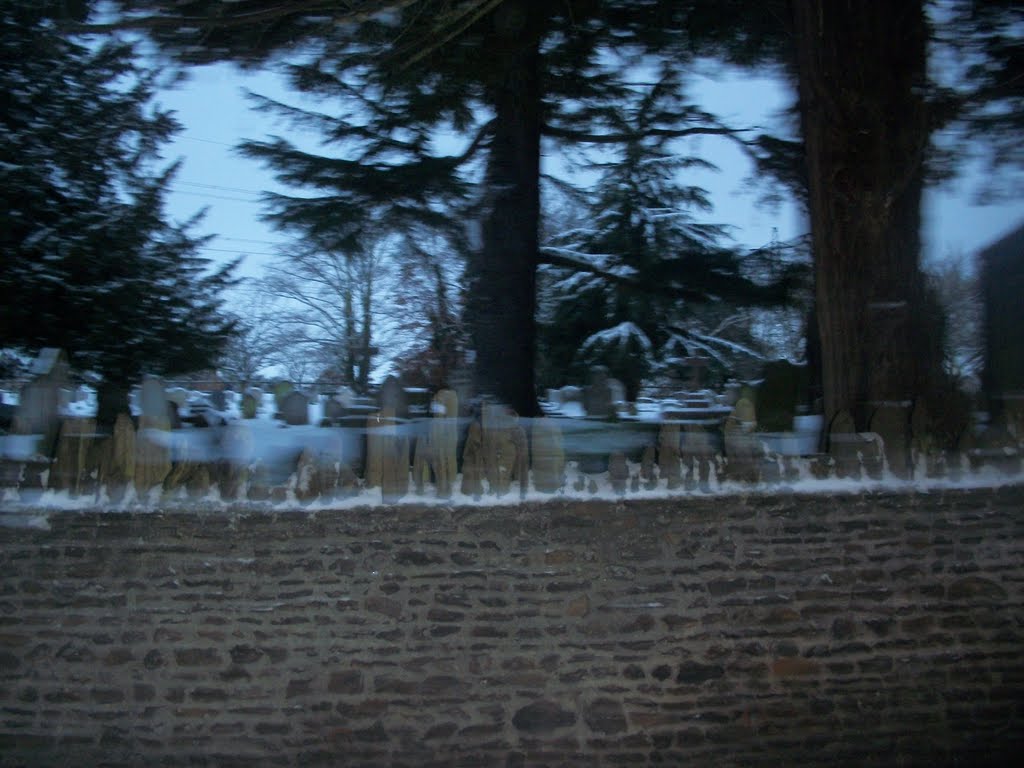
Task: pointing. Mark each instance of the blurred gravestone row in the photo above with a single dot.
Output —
(288, 443)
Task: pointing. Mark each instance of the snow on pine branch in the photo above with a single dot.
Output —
(618, 335)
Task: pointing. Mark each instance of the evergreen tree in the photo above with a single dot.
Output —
(503, 73)
(91, 264)
(642, 283)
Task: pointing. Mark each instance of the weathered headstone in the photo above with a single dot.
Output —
(152, 442)
(387, 456)
(392, 397)
(669, 455)
(743, 451)
(783, 387)
(295, 409)
(504, 449)
(236, 450)
(334, 411)
(618, 472)
(597, 397)
(38, 411)
(547, 455)
(281, 390)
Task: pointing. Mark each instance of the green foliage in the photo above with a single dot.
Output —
(639, 283)
(91, 264)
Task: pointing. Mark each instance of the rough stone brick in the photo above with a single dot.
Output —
(542, 716)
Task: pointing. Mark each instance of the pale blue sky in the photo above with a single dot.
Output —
(216, 116)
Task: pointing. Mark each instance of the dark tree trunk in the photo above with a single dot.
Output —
(861, 74)
(111, 402)
(502, 292)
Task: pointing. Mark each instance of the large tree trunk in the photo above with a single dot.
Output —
(861, 74)
(502, 291)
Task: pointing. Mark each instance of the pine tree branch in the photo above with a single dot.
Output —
(584, 137)
(358, 12)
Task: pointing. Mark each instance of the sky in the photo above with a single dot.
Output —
(215, 116)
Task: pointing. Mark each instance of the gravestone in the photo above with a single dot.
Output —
(695, 367)
(618, 472)
(392, 397)
(743, 450)
(669, 466)
(294, 409)
(547, 455)
(387, 456)
(152, 443)
(250, 405)
(783, 387)
(38, 411)
(281, 389)
(334, 411)
(853, 452)
(504, 448)
(597, 396)
(219, 399)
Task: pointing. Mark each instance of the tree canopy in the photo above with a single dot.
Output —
(91, 263)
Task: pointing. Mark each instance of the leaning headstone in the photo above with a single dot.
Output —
(152, 442)
(547, 455)
(38, 411)
(597, 396)
(295, 409)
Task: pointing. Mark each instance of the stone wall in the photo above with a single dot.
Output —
(853, 630)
